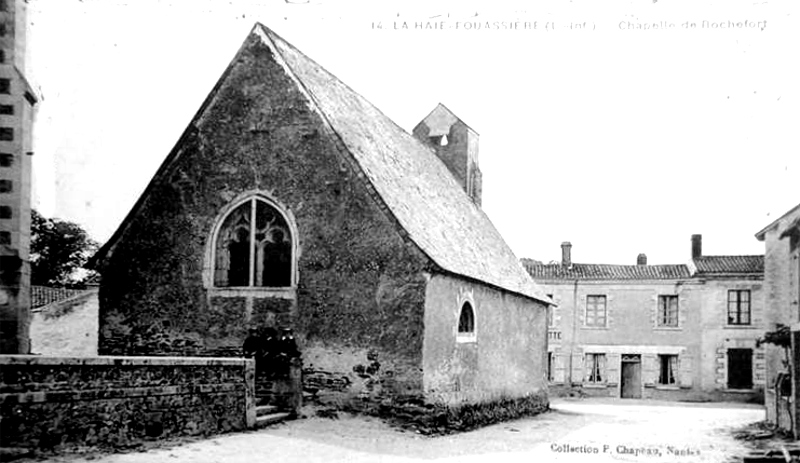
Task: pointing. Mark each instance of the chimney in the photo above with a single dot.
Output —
(697, 246)
(456, 144)
(641, 259)
(566, 254)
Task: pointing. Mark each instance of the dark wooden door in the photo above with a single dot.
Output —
(631, 377)
(740, 368)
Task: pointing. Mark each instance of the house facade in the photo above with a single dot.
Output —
(292, 202)
(782, 308)
(671, 332)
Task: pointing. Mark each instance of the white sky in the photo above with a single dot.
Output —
(620, 141)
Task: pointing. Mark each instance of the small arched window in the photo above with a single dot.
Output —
(466, 321)
(253, 247)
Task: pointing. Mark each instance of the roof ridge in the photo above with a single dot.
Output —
(393, 158)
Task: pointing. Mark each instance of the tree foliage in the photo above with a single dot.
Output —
(59, 249)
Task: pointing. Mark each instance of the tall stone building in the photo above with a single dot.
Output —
(292, 202)
(672, 332)
(17, 102)
(782, 293)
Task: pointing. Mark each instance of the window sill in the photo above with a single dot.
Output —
(740, 391)
(466, 338)
(594, 386)
(667, 328)
(278, 293)
(584, 327)
(739, 327)
(667, 387)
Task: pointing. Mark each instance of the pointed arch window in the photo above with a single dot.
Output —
(466, 323)
(254, 247)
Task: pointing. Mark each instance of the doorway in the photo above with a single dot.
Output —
(631, 381)
(740, 368)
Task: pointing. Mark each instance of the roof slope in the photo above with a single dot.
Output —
(439, 121)
(415, 185)
(760, 235)
(710, 265)
(606, 271)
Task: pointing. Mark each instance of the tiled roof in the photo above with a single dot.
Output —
(709, 265)
(43, 295)
(416, 186)
(605, 271)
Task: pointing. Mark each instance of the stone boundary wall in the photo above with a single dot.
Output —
(49, 402)
(442, 419)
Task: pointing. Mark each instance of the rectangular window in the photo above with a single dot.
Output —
(6, 134)
(740, 368)
(5, 86)
(3, 5)
(595, 368)
(668, 368)
(6, 186)
(7, 109)
(2, 56)
(739, 307)
(550, 366)
(6, 159)
(5, 237)
(596, 311)
(667, 311)
(5, 212)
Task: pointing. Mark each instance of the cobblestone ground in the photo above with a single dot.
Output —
(580, 430)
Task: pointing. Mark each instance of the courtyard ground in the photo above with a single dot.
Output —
(591, 430)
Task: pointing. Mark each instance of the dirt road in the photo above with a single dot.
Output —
(586, 430)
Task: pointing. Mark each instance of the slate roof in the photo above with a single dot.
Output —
(414, 184)
(711, 265)
(605, 271)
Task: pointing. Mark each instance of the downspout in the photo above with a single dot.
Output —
(574, 328)
(792, 374)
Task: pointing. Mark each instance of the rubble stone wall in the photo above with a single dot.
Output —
(50, 402)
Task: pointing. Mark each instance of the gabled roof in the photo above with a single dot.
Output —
(605, 271)
(413, 183)
(715, 265)
(439, 121)
(762, 233)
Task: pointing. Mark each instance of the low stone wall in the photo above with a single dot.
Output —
(48, 402)
(438, 419)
